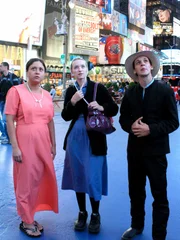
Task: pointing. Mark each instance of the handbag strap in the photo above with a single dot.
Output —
(94, 94)
(95, 91)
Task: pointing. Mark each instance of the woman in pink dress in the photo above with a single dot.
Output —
(33, 147)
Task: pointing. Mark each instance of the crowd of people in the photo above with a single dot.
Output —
(148, 113)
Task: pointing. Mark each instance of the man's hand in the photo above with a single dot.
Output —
(139, 128)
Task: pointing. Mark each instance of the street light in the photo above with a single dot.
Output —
(171, 47)
(71, 4)
(65, 22)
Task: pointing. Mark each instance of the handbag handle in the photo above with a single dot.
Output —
(95, 91)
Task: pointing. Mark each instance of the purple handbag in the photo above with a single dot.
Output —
(97, 121)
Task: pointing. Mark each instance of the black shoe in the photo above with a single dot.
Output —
(80, 223)
(94, 225)
(130, 233)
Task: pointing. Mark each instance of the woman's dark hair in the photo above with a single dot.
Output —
(5, 64)
(32, 60)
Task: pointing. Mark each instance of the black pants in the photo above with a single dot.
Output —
(154, 167)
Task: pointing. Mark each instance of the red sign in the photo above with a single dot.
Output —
(114, 49)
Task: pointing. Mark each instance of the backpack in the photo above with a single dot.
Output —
(18, 80)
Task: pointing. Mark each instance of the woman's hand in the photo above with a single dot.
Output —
(17, 155)
(77, 97)
(53, 151)
(95, 105)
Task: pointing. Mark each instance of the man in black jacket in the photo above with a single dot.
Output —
(7, 81)
(148, 114)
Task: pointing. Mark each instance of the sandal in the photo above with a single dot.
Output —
(26, 229)
(39, 226)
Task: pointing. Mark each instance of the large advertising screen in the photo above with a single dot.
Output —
(111, 50)
(28, 21)
(105, 21)
(148, 37)
(162, 21)
(137, 13)
(115, 50)
(115, 21)
(107, 7)
(135, 36)
(100, 3)
(123, 24)
(176, 27)
(173, 55)
(53, 33)
(85, 31)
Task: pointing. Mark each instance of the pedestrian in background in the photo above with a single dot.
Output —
(148, 113)
(8, 80)
(85, 166)
(33, 147)
(53, 91)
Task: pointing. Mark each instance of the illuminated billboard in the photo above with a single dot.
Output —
(173, 56)
(85, 31)
(137, 13)
(100, 3)
(123, 24)
(17, 27)
(115, 21)
(162, 21)
(107, 7)
(176, 27)
(148, 36)
(115, 50)
(119, 23)
(105, 21)
(111, 50)
(53, 33)
(135, 36)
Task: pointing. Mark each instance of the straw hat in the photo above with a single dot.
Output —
(150, 55)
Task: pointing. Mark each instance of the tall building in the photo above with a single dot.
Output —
(107, 32)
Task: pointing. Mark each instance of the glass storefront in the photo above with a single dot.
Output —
(14, 56)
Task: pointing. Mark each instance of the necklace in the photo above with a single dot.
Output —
(37, 101)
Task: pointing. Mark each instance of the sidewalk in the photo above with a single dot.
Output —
(58, 106)
(114, 208)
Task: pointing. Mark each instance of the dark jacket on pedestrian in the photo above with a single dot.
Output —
(159, 111)
(6, 83)
(97, 140)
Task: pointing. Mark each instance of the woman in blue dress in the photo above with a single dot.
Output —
(85, 166)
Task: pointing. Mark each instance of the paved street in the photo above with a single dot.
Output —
(114, 208)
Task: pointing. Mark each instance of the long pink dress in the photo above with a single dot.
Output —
(34, 179)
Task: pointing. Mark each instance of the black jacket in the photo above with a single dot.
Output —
(159, 111)
(97, 140)
(6, 83)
